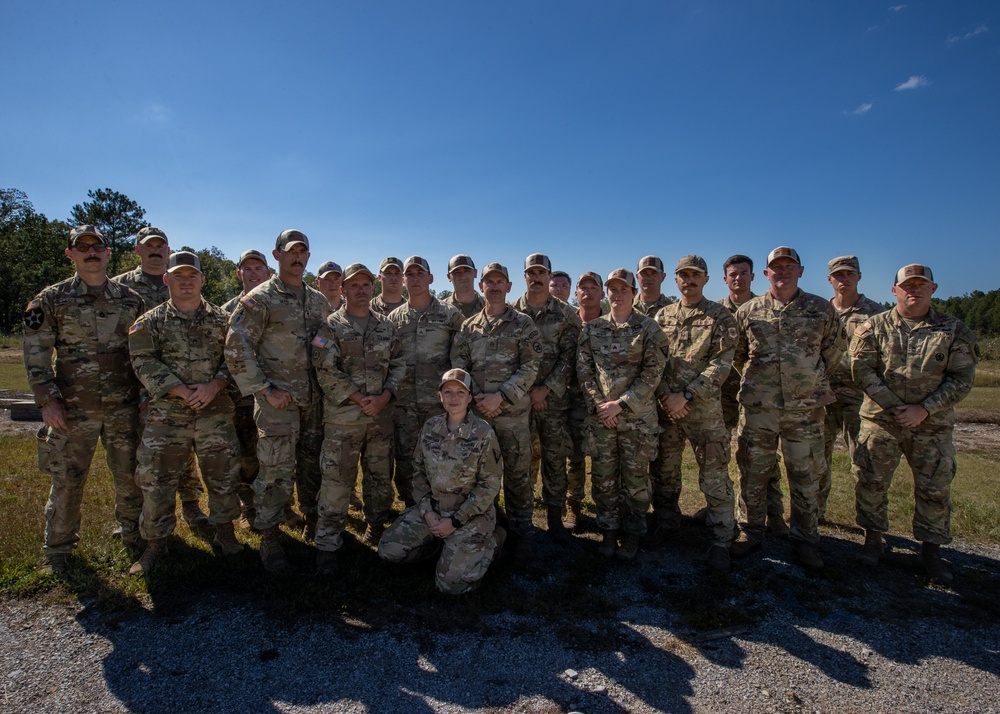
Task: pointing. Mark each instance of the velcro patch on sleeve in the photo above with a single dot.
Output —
(137, 327)
(321, 342)
(248, 301)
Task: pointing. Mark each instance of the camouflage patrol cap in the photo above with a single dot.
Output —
(650, 262)
(692, 262)
(783, 251)
(391, 260)
(85, 230)
(252, 255)
(460, 261)
(623, 274)
(355, 268)
(457, 375)
(148, 233)
(183, 259)
(327, 268)
(844, 262)
(494, 268)
(418, 261)
(286, 239)
(538, 260)
(913, 270)
(590, 275)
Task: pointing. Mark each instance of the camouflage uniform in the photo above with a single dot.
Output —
(468, 309)
(269, 345)
(380, 306)
(621, 362)
(169, 349)
(932, 364)
(700, 342)
(842, 416)
(425, 337)
(559, 331)
(786, 353)
(503, 353)
(650, 309)
(576, 419)
(88, 330)
(454, 474)
(246, 432)
(348, 361)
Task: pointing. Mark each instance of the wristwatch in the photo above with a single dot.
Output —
(688, 395)
(455, 522)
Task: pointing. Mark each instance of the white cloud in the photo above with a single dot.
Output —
(154, 112)
(914, 82)
(861, 109)
(982, 29)
(896, 8)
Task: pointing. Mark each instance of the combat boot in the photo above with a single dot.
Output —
(718, 558)
(629, 547)
(225, 539)
(609, 544)
(327, 562)
(574, 511)
(247, 518)
(557, 531)
(934, 567)
(54, 564)
(155, 550)
(272, 554)
(372, 534)
(746, 544)
(809, 556)
(776, 525)
(192, 514)
(500, 536)
(309, 529)
(293, 520)
(872, 550)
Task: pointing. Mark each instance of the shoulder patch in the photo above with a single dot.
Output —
(320, 341)
(34, 316)
(861, 329)
(137, 327)
(37, 302)
(248, 301)
(733, 333)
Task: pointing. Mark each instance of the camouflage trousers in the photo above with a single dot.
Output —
(189, 488)
(174, 433)
(410, 420)
(65, 455)
(841, 418)
(343, 446)
(801, 436)
(246, 433)
(576, 472)
(710, 442)
(465, 555)
(731, 417)
(619, 473)
(514, 435)
(551, 430)
(930, 452)
(288, 444)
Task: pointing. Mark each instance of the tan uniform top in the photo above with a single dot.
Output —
(731, 387)
(649, 309)
(426, 337)
(851, 318)
(559, 332)
(700, 343)
(151, 288)
(468, 309)
(379, 305)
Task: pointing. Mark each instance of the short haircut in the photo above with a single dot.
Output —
(560, 274)
(734, 259)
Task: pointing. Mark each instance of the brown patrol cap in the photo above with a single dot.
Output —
(623, 274)
(355, 268)
(417, 261)
(148, 233)
(495, 268)
(391, 260)
(327, 268)
(460, 261)
(457, 375)
(650, 262)
(844, 262)
(783, 251)
(914, 270)
(692, 262)
(590, 275)
(286, 239)
(538, 260)
(252, 255)
(183, 259)
(84, 230)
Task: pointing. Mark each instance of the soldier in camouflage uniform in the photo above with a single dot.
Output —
(329, 279)
(177, 351)
(842, 417)
(501, 348)
(390, 276)
(268, 352)
(620, 362)
(462, 274)
(153, 249)
(88, 392)
(914, 365)
(457, 468)
(359, 365)
(426, 329)
(650, 276)
(701, 340)
(559, 331)
(790, 342)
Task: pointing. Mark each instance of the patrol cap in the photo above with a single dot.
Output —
(418, 261)
(692, 262)
(148, 233)
(495, 268)
(914, 270)
(286, 239)
(460, 261)
(252, 255)
(538, 260)
(844, 262)
(590, 275)
(355, 268)
(650, 262)
(85, 230)
(623, 274)
(783, 251)
(391, 260)
(327, 268)
(457, 375)
(183, 259)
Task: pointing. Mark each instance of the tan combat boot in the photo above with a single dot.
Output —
(155, 549)
(557, 531)
(272, 554)
(934, 566)
(629, 547)
(373, 532)
(225, 539)
(574, 511)
(54, 564)
(192, 514)
(872, 550)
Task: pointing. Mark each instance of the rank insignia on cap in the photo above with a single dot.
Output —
(137, 327)
(320, 341)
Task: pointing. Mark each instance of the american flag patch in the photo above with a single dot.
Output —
(33, 304)
(248, 301)
(320, 341)
(137, 327)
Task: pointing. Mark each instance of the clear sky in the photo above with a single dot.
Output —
(595, 132)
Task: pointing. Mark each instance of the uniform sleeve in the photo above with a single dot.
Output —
(336, 384)
(421, 484)
(516, 386)
(461, 356)
(742, 351)
(144, 349)
(834, 344)
(865, 363)
(654, 360)
(489, 471)
(708, 384)
(558, 379)
(38, 344)
(397, 363)
(586, 371)
(245, 329)
(959, 374)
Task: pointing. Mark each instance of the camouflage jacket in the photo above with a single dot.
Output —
(622, 361)
(241, 401)
(426, 338)
(700, 344)
(468, 309)
(502, 354)
(649, 309)
(152, 292)
(731, 387)
(379, 305)
(170, 348)
(727, 302)
(787, 352)
(852, 318)
(270, 337)
(89, 336)
(559, 332)
(230, 305)
(348, 361)
(457, 473)
(932, 365)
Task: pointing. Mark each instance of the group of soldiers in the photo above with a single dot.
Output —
(282, 393)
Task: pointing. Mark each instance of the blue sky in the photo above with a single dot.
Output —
(595, 132)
